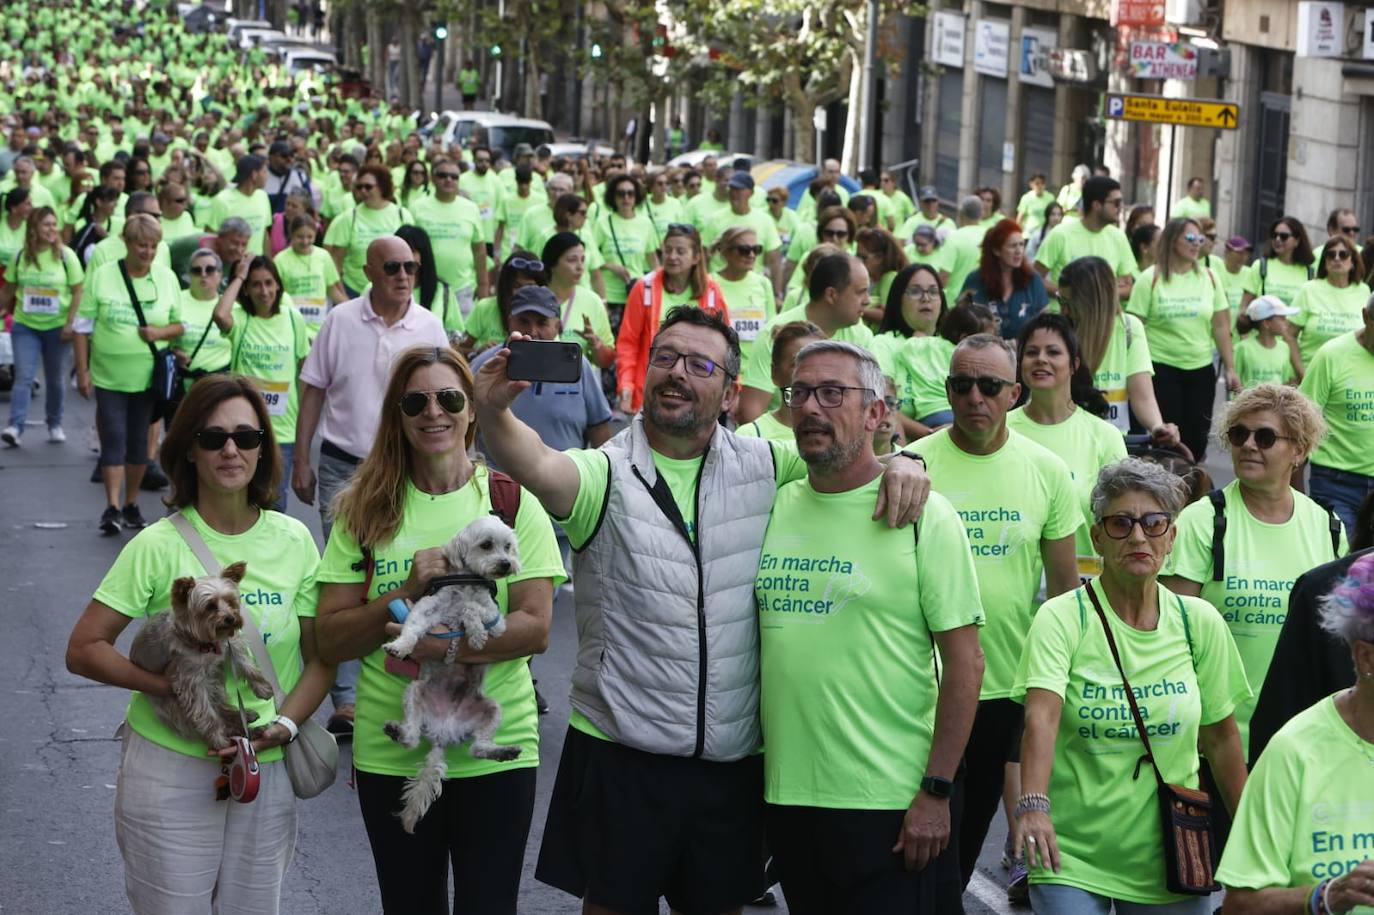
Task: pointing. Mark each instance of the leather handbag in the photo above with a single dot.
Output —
(312, 759)
(1185, 813)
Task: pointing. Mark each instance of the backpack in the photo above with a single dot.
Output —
(504, 494)
(1264, 272)
(1218, 500)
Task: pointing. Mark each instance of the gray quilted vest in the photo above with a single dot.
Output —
(668, 643)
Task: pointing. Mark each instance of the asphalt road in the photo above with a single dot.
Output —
(58, 756)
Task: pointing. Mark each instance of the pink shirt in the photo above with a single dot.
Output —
(351, 360)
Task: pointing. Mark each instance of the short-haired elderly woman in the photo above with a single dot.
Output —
(1269, 532)
(1088, 820)
(1301, 841)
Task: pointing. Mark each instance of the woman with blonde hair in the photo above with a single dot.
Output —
(748, 291)
(413, 492)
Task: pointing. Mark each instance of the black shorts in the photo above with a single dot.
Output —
(840, 862)
(627, 827)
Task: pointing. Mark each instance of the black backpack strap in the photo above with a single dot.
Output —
(1218, 500)
(1333, 524)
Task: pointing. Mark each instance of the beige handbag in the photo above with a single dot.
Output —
(312, 759)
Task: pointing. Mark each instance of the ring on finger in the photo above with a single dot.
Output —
(1030, 840)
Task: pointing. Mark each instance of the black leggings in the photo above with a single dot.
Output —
(1185, 399)
(478, 824)
(994, 742)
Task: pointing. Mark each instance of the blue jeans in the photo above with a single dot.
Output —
(29, 347)
(1059, 899)
(332, 476)
(1341, 491)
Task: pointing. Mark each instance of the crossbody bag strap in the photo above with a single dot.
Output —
(250, 628)
(133, 299)
(615, 239)
(1130, 694)
(201, 342)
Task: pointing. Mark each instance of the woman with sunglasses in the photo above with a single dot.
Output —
(268, 342)
(1287, 263)
(1331, 303)
(663, 210)
(627, 241)
(784, 217)
(884, 259)
(1182, 305)
(202, 349)
(416, 183)
(414, 491)
(308, 272)
(582, 314)
(749, 293)
(486, 324)
(1088, 819)
(374, 214)
(683, 280)
(177, 220)
(223, 462)
(1270, 532)
(432, 293)
(570, 215)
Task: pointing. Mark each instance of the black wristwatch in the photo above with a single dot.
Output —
(936, 786)
(912, 455)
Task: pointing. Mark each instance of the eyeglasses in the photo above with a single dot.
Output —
(524, 263)
(1337, 254)
(369, 186)
(699, 366)
(988, 386)
(827, 395)
(451, 400)
(748, 250)
(445, 176)
(244, 439)
(923, 292)
(391, 268)
(1281, 236)
(1351, 230)
(834, 233)
(890, 402)
(1193, 238)
(207, 270)
(625, 192)
(1152, 524)
(1265, 437)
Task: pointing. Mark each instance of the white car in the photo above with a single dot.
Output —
(575, 150)
(234, 27)
(251, 38)
(501, 132)
(693, 159)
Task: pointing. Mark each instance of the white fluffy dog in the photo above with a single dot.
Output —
(445, 704)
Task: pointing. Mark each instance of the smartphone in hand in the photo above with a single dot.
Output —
(544, 360)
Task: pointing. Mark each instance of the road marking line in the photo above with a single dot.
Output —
(988, 893)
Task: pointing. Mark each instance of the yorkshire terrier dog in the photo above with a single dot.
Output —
(445, 704)
(195, 639)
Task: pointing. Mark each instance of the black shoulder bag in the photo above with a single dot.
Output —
(1185, 813)
(164, 384)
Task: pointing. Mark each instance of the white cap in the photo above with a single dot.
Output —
(1267, 306)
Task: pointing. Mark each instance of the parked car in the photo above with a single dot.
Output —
(795, 176)
(500, 132)
(297, 57)
(693, 159)
(234, 27)
(201, 17)
(580, 149)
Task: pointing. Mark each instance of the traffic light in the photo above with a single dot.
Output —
(496, 50)
(440, 31)
(596, 52)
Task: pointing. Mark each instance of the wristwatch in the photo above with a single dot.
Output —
(936, 786)
(911, 455)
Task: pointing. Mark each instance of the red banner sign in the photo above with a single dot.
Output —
(1138, 12)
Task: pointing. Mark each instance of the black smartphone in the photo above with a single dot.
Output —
(544, 360)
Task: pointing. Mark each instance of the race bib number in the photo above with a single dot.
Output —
(1118, 412)
(41, 300)
(311, 309)
(748, 321)
(276, 394)
(485, 212)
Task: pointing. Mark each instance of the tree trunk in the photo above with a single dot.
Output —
(532, 107)
(410, 65)
(355, 33)
(853, 123)
(376, 50)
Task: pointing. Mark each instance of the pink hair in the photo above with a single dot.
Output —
(1348, 611)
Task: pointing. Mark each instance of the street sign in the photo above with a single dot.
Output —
(1181, 112)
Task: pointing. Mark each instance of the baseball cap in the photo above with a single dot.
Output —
(1238, 243)
(1267, 306)
(741, 181)
(279, 148)
(160, 137)
(928, 192)
(246, 165)
(524, 149)
(535, 298)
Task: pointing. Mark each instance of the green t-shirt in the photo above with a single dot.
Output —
(1340, 381)
(1260, 364)
(963, 248)
(702, 210)
(1305, 814)
(354, 231)
(183, 225)
(1278, 278)
(1010, 501)
(768, 427)
(1033, 207)
(760, 221)
(120, 360)
(307, 280)
(1262, 562)
(921, 366)
(1178, 315)
(196, 316)
(452, 228)
(1232, 283)
(255, 208)
(431, 521)
(1191, 209)
(1085, 444)
(575, 311)
(278, 588)
(270, 351)
(594, 475)
(1071, 240)
(1325, 312)
(43, 287)
(485, 191)
(484, 323)
(751, 304)
(11, 240)
(1186, 673)
(627, 243)
(847, 609)
(758, 371)
(1128, 353)
(662, 215)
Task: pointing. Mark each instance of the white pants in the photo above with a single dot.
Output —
(186, 853)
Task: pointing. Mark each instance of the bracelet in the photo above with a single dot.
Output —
(911, 455)
(1326, 898)
(1314, 899)
(289, 725)
(1032, 802)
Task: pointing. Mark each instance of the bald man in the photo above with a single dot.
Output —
(342, 384)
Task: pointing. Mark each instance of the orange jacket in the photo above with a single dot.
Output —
(643, 309)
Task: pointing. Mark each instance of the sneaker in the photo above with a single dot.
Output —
(56, 435)
(10, 436)
(109, 522)
(1018, 885)
(1008, 853)
(133, 518)
(153, 479)
(341, 723)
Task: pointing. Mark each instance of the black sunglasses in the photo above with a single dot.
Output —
(835, 233)
(1282, 236)
(365, 187)
(748, 250)
(1265, 437)
(987, 385)
(451, 400)
(446, 176)
(1339, 254)
(244, 439)
(1154, 524)
(391, 268)
(207, 270)
(1351, 230)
